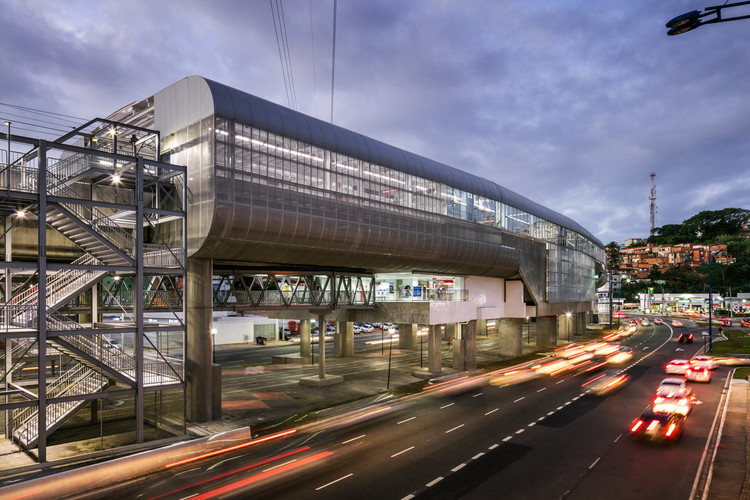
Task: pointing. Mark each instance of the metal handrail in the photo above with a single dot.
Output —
(78, 381)
(98, 219)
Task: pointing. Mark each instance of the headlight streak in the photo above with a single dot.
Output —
(231, 448)
(262, 476)
(241, 469)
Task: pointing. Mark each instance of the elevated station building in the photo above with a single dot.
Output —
(285, 215)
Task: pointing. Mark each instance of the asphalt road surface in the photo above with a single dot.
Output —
(541, 439)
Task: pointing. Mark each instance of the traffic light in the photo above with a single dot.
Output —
(650, 290)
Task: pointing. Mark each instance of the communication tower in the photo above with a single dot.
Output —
(652, 204)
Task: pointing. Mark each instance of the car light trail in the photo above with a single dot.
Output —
(262, 476)
(231, 448)
(255, 464)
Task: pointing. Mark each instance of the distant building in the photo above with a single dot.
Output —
(638, 261)
(630, 241)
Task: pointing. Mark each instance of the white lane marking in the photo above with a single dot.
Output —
(408, 497)
(618, 438)
(404, 421)
(560, 381)
(458, 467)
(456, 427)
(480, 454)
(540, 419)
(491, 411)
(595, 462)
(334, 481)
(354, 439)
(446, 406)
(542, 389)
(576, 398)
(507, 438)
(519, 431)
(550, 413)
(434, 481)
(559, 407)
(532, 424)
(567, 403)
(279, 465)
(493, 446)
(478, 394)
(402, 451)
(519, 399)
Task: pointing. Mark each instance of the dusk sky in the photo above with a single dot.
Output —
(570, 103)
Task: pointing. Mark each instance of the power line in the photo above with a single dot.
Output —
(282, 42)
(312, 47)
(333, 57)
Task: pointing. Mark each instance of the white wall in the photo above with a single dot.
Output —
(240, 330)
(487, 300)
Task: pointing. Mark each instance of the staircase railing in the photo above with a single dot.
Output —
(75, 382)
(98, 220)
(60, 284)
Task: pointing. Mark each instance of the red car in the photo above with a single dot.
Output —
(725, 322)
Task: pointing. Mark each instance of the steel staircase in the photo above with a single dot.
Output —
(78, 381)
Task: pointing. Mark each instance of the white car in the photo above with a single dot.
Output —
(677, 366)
(698, 374)
(704, 362)
(366, 328)
(673, 387)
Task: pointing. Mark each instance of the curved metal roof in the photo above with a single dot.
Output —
(234, 104)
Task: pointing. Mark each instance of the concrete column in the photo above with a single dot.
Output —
(434, 350)
(481, 327)
(546, 331)
(510, 336)
(304, 338)
(347, 339)
(322, 326)
(580, 323)
(470, 345)
(457, 345)
(407, 336)
(338, 341)
(566, 327)
(199, 321)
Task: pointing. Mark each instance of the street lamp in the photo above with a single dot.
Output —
(710, 299)
(691, 20)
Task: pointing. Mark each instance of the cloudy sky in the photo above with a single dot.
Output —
(570, 103)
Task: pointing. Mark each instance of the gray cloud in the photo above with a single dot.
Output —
(571, 103)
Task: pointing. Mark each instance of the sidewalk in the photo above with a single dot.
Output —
(728, 476)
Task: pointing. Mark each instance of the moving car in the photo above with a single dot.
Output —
(662, 404)
(677, 366)
(645, 322)
(658, 426)
(745, 323)
(658, 320)
(676, 323)
(685, 338)
(725, 322)
(673, 387)
(704, 362)
(606, 382)
(624, 354)
(698, 374)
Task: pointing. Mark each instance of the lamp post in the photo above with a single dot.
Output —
(693, 19)
(710, 301)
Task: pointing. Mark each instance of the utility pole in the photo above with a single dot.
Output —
(652, 204)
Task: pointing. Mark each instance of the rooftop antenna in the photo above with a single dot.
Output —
(652, 204)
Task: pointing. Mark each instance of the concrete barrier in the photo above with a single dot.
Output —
(77, 481)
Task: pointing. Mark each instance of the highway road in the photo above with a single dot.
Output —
(541, 439)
